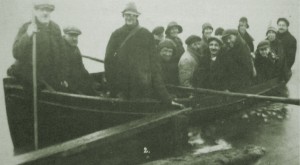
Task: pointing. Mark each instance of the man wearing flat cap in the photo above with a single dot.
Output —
(288, 40)
(158, 33)
(48, 49)
(237, 65)
(189, 61)
(78, 78)
(267, 63)
(131, 61)
(242, 28)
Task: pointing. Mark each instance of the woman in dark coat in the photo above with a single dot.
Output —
(172, 32)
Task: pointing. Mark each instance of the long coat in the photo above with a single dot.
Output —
(187, 66)
(169, 72)
(78, 78)
(236, 67)
(249, 40)
(290, 47)
(133, 69)
(48, 51)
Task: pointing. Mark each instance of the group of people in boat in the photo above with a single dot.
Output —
(139, 63)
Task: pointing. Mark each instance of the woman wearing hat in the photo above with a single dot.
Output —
(172, 32)
(242, 28)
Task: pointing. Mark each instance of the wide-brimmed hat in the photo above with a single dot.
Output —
(131, 8)
(215, 38)
(263, 44)
(72, 30)
(271, 28)
(173, 24)
(41, 4)
(244, 20)
(192, 39)
(285, 20)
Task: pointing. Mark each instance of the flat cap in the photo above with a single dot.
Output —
(191, 39)
(285, 20)
(228, 32)
(40, 4)
(263, 44)
(72, 30)
(158, 30)
(219, 31)
(215, 38)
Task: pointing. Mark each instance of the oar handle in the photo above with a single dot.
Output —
(93, 58)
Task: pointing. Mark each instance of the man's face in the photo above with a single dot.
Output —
(196, 45)
(264, 51)
(43, 15)
(243, 27)
(271, 35)
(207, 32)
(130, 19)
(159, 37)
(166, 53)
(214, 47)
(174, 31)
(230, 40)
(72, 39)
(282, 27)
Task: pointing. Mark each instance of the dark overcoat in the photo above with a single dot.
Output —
(249, 40)
(290, 47)
(48, 52)
(133, 69)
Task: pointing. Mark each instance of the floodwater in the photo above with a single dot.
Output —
(273, 126)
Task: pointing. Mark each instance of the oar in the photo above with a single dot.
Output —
(93, 58)
(241, 95)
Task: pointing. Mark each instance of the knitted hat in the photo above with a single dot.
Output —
(206, 25)
(271, 28)
(173, 24)
(228, 32)
(131, 9)
(40, 4)
(219, 31)
(72, 30)
(158, 30)
(215, 38)
(263, 44)
(191, 39)
(244, 20)
(285, 20)
(167, 43)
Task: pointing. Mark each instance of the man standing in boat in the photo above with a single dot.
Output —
(77, 76)
(131, 61)
(48, 49)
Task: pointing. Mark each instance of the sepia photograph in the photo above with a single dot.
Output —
(149, 82)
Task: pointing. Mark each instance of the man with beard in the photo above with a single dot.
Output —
(276, 47)
(236, 70)
(48, 50)
(189, 62)
(288, 40)
(243, 26)
(207, 71)
(158, 34)
(78, 78)
(172, 32)
(131, 61)
(166, 49)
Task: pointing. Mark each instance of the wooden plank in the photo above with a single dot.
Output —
(85, 143)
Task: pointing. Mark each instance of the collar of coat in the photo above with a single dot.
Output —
(194, 54)
(280, 35)
(246, 35)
